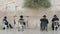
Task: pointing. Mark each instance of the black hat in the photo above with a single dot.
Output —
(55, 16)
(21, 16)
(44, 16)
(5, 17)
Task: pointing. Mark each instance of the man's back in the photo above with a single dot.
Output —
(44, 20)
(55, 19)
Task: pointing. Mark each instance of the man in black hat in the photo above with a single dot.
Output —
(44, 23)
(22, 22)
(55, 23)
(5, 23)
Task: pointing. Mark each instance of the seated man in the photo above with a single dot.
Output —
(55, 23)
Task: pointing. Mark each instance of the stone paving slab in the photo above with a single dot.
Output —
(29, 31)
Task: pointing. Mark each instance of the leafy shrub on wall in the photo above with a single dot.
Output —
(37, 3)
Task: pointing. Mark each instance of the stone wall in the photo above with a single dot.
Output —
(34, 14)
(33, 19)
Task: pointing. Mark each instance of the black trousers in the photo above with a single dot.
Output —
(43, 27)
(10, 26)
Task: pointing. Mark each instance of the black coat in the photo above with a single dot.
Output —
(22, 21)
(54, 19)
(44, 22)
(5, 21)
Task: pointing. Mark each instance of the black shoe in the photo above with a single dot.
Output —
(4, 28)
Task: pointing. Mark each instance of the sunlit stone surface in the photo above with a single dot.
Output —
(10, 8)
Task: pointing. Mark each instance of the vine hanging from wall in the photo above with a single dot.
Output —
(37, 3)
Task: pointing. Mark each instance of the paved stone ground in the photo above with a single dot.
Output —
(28, 31)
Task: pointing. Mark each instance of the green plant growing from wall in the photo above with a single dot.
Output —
(37, 3)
